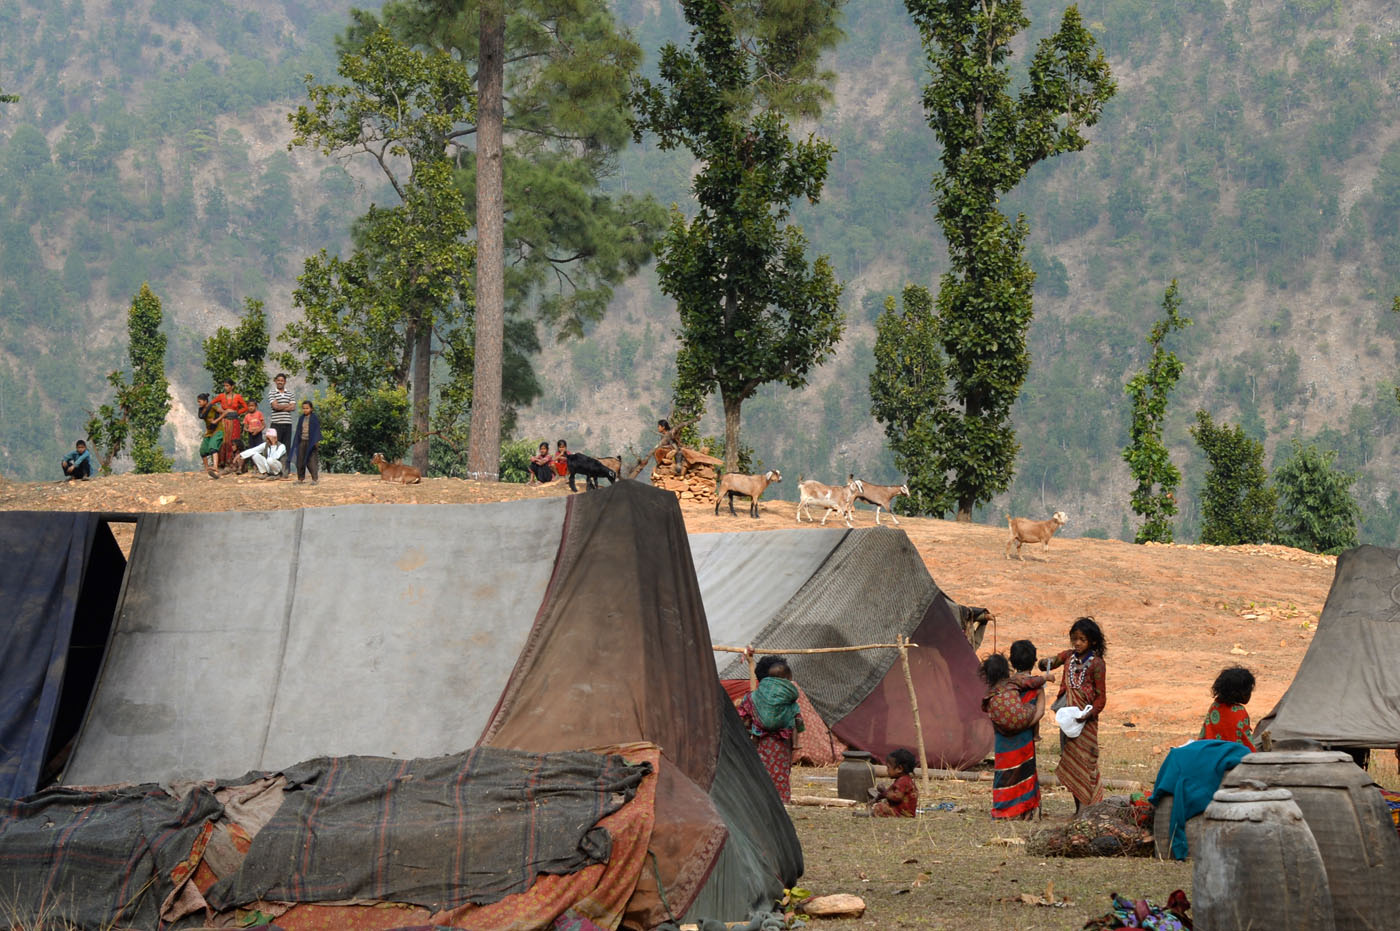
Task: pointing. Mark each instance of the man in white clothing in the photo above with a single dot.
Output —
(269, 456)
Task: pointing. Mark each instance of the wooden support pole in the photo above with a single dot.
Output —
(914, 704)
(802, 652)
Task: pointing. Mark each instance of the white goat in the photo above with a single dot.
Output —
(880, 496)
(1032, 531)
(838, 498)
(750, 486)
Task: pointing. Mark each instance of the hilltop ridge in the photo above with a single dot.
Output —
(1173, 615)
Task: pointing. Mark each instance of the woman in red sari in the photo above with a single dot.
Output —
(234, 407)
(1083, 685)
(770, 714)
(1227, 718)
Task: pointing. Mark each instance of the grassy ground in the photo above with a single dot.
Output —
(960, 870)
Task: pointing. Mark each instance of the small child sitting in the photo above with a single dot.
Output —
(899, 799)
(1227, 718)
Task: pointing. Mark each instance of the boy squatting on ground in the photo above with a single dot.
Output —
(78, 463)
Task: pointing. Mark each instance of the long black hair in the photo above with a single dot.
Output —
(1090, 629)
(1233, 686)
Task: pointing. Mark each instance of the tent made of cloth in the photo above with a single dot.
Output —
(412, 632)
(60, 575)
(1346, 693)
(798, 589)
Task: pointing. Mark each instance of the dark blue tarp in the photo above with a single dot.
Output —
(60, 574)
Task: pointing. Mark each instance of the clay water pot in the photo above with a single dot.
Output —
(1162, 830)
(1258, 866)
(855, 777)
(1348, 819)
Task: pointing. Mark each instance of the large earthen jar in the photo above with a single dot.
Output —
(1348, 818)
(1257, 866)
(855, 777)
(1162, 830)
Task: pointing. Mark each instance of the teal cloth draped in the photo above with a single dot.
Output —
(775, 701)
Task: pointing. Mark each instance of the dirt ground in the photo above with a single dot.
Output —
(1173, 616)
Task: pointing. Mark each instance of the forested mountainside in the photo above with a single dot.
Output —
(1252, 153)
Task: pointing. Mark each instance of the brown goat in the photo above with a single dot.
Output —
(396, 471)
(1032, 531)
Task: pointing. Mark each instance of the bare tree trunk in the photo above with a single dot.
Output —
(731, 431)
(484, 448)
(422, 368)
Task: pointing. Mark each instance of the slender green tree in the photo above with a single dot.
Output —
(369, 320)
(991, 138)
(753, 309)
(1237, 502)
(142, 399)
(1317, 511)
(1154, 498)
(908, 395)
(533, 159)
(239, 354)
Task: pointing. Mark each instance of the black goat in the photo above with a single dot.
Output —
(591, 470)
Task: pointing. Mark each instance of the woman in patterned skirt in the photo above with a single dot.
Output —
(773, 721)
(1083, 685)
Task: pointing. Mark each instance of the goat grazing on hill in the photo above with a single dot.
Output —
(838, 498)
(396, 472)
(881, 496)
(1033, 531)
(591, 470)
(750, 486)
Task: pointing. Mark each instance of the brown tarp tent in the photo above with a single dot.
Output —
(412, 632)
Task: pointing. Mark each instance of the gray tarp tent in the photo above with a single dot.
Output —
(418, 631)
(1346, 692)
(789, 589)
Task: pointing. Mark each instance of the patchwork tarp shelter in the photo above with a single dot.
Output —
(1346, 693)
(795, 589)
(60, 574)
(254, 641)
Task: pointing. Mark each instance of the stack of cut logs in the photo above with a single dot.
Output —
(697, 479)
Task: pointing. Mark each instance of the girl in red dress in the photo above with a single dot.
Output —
(899, 799)
(234, 407)
(1227, 718)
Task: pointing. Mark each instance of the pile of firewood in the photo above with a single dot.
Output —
(697, 479)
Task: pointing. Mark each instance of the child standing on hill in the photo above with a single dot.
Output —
(1083, 684)
(899, 799)
(1227, 718)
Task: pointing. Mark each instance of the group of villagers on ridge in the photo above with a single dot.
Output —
(237, 436)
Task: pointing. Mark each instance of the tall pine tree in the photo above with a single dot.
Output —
(142, 401)
(532, 160)
(753, 309)
(1154, 498)
(991, 138)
